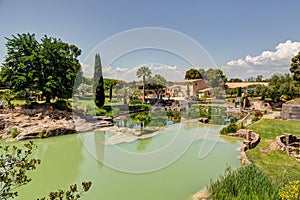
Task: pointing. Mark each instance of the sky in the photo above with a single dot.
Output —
(243, 38)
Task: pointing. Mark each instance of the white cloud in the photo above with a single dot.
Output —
(120, 69)
(267, 63)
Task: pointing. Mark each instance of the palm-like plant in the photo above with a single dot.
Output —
(143, 72)
(124, 93)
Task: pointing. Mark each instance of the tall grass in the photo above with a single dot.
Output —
(246, 183)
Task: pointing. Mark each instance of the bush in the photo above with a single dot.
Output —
(135, 101)
(244, 184)
(42, 134)
(232, 128)
(62, 105)
(100, 112)
(255, 119)
(14, 133)
(139, 107)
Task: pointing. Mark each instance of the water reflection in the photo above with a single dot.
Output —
(142, 144)
(99, 142)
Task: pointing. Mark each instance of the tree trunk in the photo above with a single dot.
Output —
(48, 99)
(144, 88)
(110, 92)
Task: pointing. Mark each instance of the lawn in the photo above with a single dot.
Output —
(274, 162)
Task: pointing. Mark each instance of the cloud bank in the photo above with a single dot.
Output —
(171, 73)
(266, 64)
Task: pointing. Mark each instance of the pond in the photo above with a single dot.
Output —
(75, 158)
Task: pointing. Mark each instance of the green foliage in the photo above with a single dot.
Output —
(139, 107)
(100, 112)
(202, 99)
(14, 133)
(246, 183)
(110, 84)
(235, 80)
(62, 104)
(72, 194)
(97, 72)
(135, 101)
(143, 72)
(141, 117)
(100, 96)
(205, 111)
(239, 92)
(42, 134)
(8, 96)
(49, 67)
(136, 94)
(274, 163)
(295, 67)
(124, 93)
(83, 89)
(279, 86)
(192, 74)
(232, 128)
(156, 83)
(215, 79)
(16, 162)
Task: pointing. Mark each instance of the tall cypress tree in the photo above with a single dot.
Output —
(97, 71)
(100, 96)
(98, 82)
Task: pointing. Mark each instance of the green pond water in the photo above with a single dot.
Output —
(74, 158)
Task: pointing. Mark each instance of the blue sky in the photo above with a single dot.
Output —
(244, 38)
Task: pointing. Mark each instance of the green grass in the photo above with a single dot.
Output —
(274, 162)
(244, 184)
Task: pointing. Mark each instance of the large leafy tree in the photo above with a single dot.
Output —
(157, 83)
(49, 67)
(59, 68)
(192, 74)
(143, 72)
(124, 93)
(110, 84)
(279, 86)
(215, 78)
(295, 67)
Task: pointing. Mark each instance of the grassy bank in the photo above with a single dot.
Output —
(272, 161)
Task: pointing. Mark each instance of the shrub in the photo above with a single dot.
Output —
(170, 113)
(244, 184)
(135, 101)
(232, 128)
(62, 105)
(14, 133)
(255, 119)
(41, 134)
(139, 107)
(100, 112)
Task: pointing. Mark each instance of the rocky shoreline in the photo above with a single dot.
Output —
(46, 121)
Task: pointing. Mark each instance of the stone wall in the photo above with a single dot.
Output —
(251, 141)
(289, 144)
(290, 112)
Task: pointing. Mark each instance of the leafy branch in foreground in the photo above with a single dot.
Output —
(15, 162)
(71, 194)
